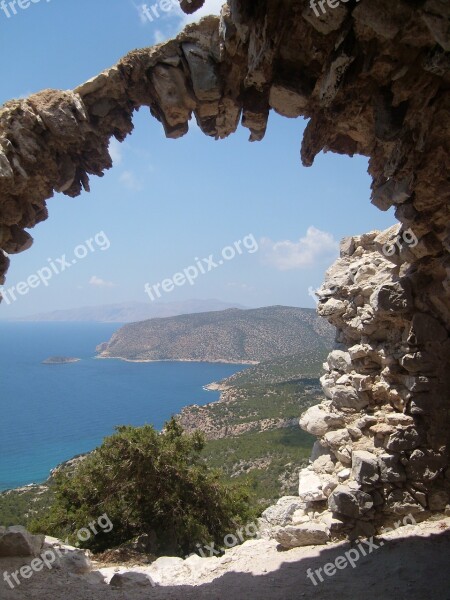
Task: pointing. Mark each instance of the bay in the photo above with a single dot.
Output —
(50, 413)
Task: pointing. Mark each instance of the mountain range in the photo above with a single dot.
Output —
(128, 312)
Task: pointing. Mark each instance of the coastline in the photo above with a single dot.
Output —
(223, 361)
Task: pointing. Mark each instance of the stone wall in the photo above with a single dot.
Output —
(373, 78)
(384, 428)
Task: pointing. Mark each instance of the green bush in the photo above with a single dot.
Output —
(147, 482)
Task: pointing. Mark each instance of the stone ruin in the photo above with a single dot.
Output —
(373, 78)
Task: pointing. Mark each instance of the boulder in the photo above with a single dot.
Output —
(16, 541)
(401, 502)
(337, 439)
(318, 450)
(438, 500)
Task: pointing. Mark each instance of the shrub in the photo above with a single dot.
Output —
(147, 482)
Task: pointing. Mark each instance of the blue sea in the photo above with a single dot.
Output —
(50, 413)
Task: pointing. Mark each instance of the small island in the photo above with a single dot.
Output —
(59, 360)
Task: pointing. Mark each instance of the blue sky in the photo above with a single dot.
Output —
(167, 203)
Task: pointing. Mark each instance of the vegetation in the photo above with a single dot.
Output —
(267, 462)
(147, 482)
(21, 506)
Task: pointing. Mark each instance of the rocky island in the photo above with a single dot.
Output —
(60, 360)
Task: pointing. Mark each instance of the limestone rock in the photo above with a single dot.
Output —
(318, 420)
(76, 562)
(16, 541)
(131, 579)
(310, 487)
(336, 439)
(350, 503)
(306, 534)
(406, 438)
(340, 361)
(390, 468)
(281, 513)
(425, 465)
(364, 467)
(438, 500)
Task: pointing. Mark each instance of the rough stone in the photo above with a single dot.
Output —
(281, 513)
(310, 487)
(391, 469)
(364, 467)
(318, 420)
(425, 465)
(17, 541)
(305, 534)
(348, 502)
(131, 579)
(438, 500)
(406, 438)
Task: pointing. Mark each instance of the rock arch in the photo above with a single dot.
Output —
(372, 77)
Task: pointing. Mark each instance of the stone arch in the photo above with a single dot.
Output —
(373, 78)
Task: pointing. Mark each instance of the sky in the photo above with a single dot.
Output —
(241, 222)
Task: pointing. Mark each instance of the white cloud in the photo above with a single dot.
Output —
(130, 181)
(99, 282)
(115, 151)
(317, 246)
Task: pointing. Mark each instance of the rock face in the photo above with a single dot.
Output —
(373, 78)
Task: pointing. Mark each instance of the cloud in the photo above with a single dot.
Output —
(316, 247)
(115, 151)
(98, 282)
(130, 181)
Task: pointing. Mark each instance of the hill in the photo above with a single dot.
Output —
(233, 335)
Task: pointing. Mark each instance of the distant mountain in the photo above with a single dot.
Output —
(231, 335)
(129, 312)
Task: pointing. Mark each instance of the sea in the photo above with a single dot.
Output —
(50, 413)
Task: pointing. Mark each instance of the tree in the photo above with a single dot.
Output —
(147, 482)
